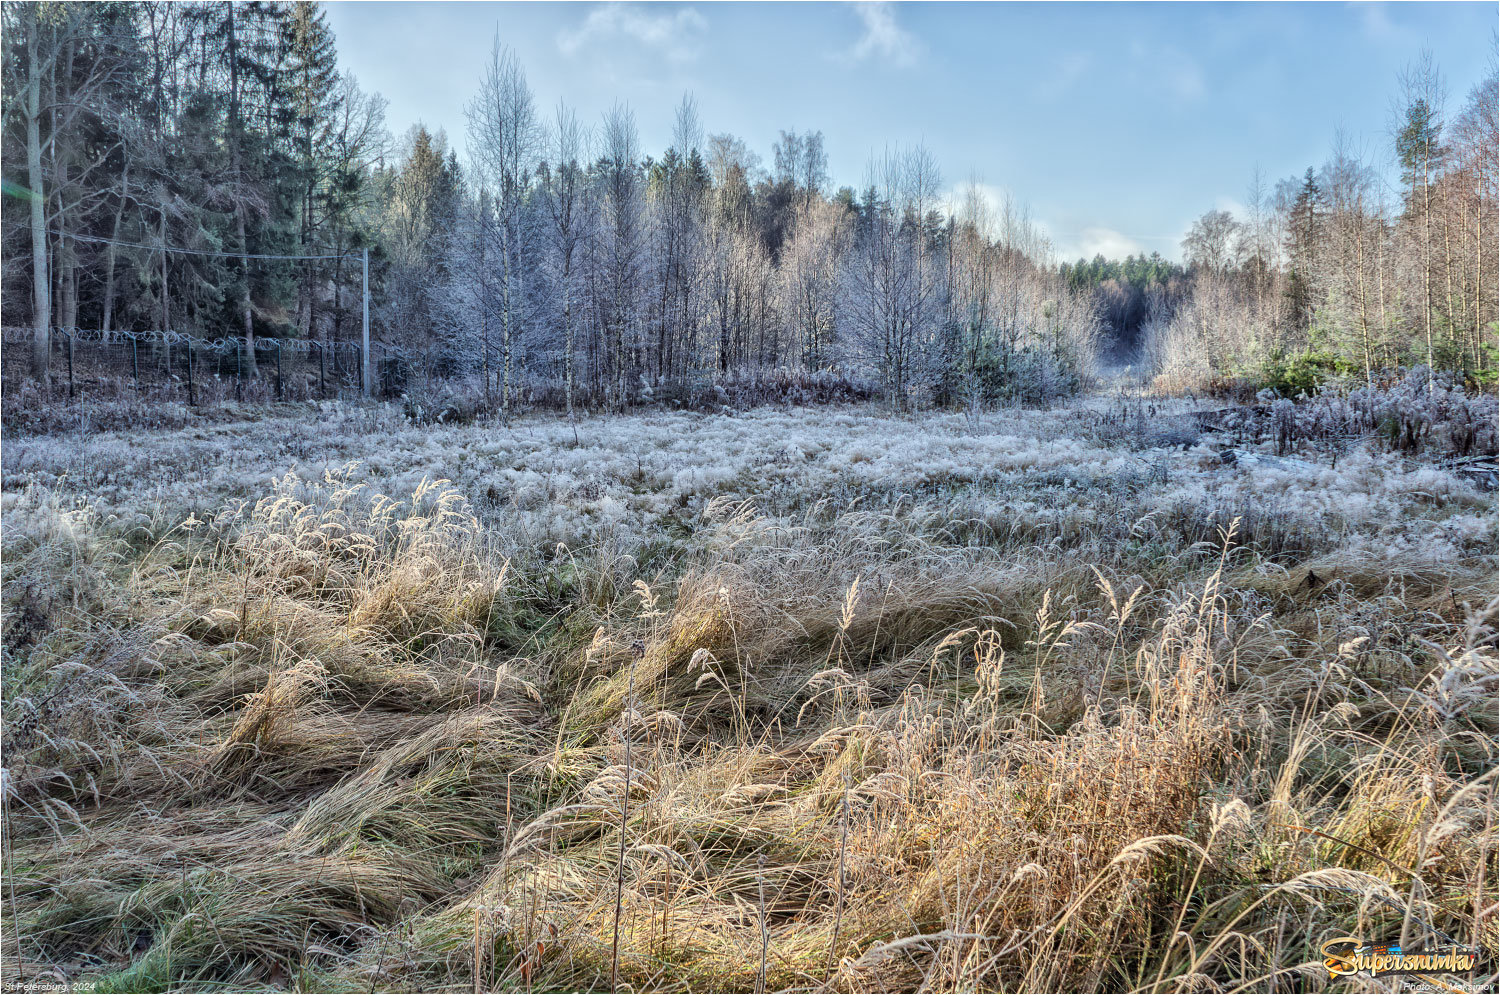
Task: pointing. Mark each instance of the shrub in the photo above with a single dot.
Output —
(1413, 413)
(1301, 373)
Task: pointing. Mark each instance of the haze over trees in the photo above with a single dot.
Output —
(562, 262)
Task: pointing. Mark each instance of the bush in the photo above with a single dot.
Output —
(1302, 373)
(1416, 412)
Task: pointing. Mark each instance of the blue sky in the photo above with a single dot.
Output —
(1116, 123)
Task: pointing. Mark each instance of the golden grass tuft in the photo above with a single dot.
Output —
(331, 740)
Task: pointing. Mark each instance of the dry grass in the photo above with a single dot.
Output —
(331, 740)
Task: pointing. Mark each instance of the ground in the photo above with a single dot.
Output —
(312, 697)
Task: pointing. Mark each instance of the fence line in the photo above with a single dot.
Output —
(19, 334)
(170, 366)
(366, 382)
(201, 370)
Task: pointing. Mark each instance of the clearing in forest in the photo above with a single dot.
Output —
(795, 698)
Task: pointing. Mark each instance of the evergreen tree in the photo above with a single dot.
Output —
(311, 73)
(1304, 234)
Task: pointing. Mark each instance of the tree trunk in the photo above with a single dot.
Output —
(109, 250)
(568, 327)
(69, 288)
(505, 328)
(67, 284)
(1364, 317)
(1448, 268)
(1478, 278)
(67, 276)
(236, 140)
(1427, 271)
(166, 314)
(1385, 326)
(41, 305)
(309, 279)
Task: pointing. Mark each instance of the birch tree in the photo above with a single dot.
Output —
(567, 208)
(504, 138)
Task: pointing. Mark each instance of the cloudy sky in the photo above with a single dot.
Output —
(1116, 123)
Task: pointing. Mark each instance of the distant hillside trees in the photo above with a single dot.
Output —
(1336, 272)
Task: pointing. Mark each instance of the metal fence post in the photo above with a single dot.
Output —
(135, 361)
(278, 370)
(366, 384)
(322, 383)
(192, 401)
(69, 334)
(239, 366)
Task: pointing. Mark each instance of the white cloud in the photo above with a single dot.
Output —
(1233, 206)
(1179, 73)
(993, 197)
(677, 36)
(1186, 79)
(1105, 242)
(883, 39)
(1377, 22)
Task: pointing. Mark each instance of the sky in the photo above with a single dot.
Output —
(1116, 124)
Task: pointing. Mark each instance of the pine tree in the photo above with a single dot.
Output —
(311, 74)
(1419, 149)
(1303, 237)
(239, 65)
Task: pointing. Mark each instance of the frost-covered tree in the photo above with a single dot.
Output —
(504, 140)
(891, 280)
(565, 189)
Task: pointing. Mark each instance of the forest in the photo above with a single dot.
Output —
(742, 579)
(562, 262)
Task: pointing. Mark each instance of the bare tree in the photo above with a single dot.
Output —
(890, 285)
(810, 277)
(39, 57)
(358, 140)
(566, 206)
(1347, 184)
(622, 237)
(1418, 131)
(1211, 243)
(973, 281)
(1476, 139)
(678, 190)
(503, 139)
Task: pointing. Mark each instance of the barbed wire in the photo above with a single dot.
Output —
(22, 334)
(216, 253)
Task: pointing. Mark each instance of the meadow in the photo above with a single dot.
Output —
(310, 697)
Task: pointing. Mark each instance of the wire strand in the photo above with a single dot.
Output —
(189, 252)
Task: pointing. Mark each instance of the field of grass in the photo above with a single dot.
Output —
(794, 699)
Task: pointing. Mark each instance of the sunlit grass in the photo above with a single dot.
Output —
(336, 740)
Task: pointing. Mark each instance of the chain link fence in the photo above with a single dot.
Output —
(170, 365)
(202, 371)
(155, 369)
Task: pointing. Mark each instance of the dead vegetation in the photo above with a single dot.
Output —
(332, 740)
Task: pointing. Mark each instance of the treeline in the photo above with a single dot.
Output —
(1338, 272)
(162, 161)
(210, 127)
(1128, 292)
(559, 260)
